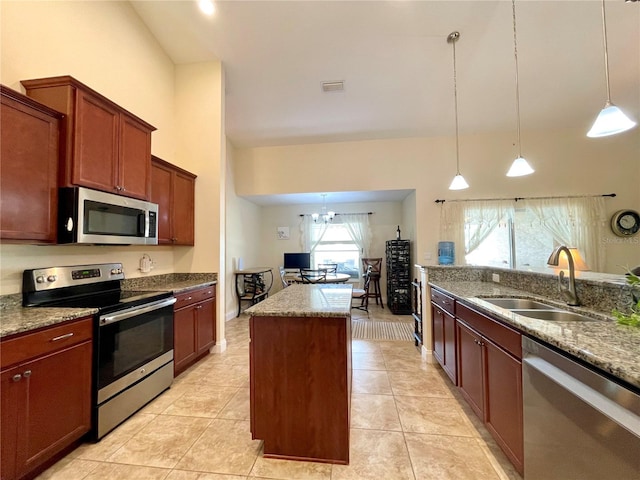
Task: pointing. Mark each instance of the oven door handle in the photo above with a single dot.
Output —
(134, 311)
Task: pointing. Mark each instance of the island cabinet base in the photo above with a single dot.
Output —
(301, 387)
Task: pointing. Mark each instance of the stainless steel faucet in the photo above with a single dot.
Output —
(569, 293)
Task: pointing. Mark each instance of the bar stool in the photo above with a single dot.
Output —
(374, 288)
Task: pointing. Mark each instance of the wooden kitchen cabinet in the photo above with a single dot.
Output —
(194, 327)
(444, 332)
(490, 377)
(173, 189)
(300, 386)
(46, 395)
(106, 147)
(29, 157)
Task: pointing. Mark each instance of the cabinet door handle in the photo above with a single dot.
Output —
(27, 374)
(62, 337)
(17, 377)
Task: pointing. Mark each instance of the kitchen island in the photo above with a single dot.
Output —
(300, 368)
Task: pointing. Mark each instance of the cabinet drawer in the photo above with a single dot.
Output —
(48, 340)
(444, 301)
(195, 296)
(505, 337)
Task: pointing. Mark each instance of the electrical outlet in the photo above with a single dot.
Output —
(427, 256)
(496, 277)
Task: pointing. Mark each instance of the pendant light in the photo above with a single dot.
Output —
(520, 166)
(610, 120)
(458, 183)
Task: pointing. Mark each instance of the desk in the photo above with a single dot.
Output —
(331, 278)
(253, 285)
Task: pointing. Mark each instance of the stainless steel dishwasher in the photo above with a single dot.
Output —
(578, 424)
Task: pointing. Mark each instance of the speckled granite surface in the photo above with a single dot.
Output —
(597, 291)
(298, 300)
(602, 343)
(16, 319)
(172, 282)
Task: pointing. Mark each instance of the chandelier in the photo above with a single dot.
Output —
(325, 216)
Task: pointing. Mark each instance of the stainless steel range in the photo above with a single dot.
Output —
(133, 335)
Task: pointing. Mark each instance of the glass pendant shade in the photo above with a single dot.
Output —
(519, 168)
(610, 121)
(458, 183)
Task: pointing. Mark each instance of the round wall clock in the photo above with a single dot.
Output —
(625, 223)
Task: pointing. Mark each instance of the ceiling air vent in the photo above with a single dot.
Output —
(332, 86)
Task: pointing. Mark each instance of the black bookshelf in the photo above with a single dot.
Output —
(399, 277)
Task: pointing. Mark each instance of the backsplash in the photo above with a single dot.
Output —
(602, 295)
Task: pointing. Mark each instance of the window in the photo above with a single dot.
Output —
(336, 246)
(522, 234)
(517, 242)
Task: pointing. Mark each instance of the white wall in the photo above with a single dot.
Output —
(566, 163)
(242, 236)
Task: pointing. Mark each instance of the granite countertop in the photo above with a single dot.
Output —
(304, 300)
(14, 318)
(603, 343)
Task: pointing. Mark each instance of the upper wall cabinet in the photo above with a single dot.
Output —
(173, 189)
(106, 147)
(30, 152)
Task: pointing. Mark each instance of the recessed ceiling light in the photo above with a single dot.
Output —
(206, 6)
(332, 86)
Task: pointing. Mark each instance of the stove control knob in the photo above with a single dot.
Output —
(40, 279)
(116, 271)
(52, 278)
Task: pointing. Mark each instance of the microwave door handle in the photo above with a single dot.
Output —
(142, 225)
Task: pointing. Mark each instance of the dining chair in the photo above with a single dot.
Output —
(329, 267)
(309, 275)
(362, 294)
(376, 269)
(283, 273)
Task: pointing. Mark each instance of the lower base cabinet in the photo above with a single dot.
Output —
(490, 378)
(444, 332)
(194, 327)
(300, 387)
(46, 396)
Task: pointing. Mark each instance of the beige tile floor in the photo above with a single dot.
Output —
(407, 422)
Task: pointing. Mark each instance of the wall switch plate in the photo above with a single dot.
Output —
(495, 277)
(427, 256)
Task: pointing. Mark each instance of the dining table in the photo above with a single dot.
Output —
(330, 278)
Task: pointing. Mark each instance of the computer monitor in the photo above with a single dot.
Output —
(297, 260)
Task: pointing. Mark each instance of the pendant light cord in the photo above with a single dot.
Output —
(515, 54)
(606, 54)
(453, 38)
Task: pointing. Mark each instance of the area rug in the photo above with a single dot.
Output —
(368, 330)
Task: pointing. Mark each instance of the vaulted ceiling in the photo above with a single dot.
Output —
(397, 66)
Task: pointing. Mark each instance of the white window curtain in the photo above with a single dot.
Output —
(310, 237)
(357, 224)
(467, 224)
(574, 222)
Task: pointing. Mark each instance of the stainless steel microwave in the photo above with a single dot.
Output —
(88, 216)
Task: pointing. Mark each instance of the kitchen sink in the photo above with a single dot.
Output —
(519, 303)
(554, 315)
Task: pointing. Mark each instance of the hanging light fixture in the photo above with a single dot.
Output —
(325, 216)
(458, 183)
(520, 166)
(611, 119)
